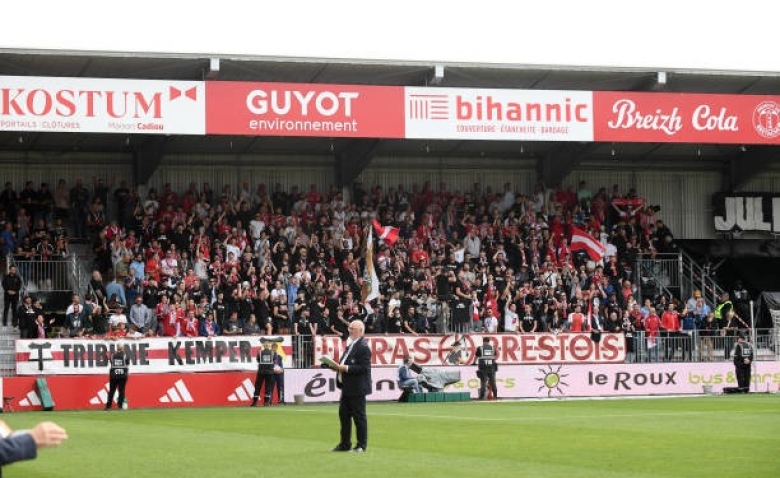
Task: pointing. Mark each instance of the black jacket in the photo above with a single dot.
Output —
(357, 379)
(12, 282)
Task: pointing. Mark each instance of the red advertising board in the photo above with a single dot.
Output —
(686, 118)
(78, 392)
(297, 109)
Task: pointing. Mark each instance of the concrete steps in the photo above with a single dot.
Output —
(8, 337)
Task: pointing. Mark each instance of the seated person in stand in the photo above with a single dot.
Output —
(118, 331)
(405, 378)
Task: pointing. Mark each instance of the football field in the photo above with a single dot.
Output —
(707, 436)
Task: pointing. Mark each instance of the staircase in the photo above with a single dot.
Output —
(8, 338)
(696, 277)
(72, 275)
(675, 275)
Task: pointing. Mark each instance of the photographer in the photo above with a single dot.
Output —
(405, 378)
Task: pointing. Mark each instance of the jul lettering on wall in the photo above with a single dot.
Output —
(746, 212)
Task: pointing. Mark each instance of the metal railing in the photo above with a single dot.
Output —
(691, 346)
(699, 346)
(658, 274)
(699, 277)
(675, 275)
(55, 274)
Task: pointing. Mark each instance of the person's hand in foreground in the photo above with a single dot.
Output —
(48, 434)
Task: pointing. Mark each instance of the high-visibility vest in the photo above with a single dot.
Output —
(719, 308)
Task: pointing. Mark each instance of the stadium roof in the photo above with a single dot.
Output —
(329, 71)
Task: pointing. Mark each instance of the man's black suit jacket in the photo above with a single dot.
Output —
(357, 378)
(15, 448)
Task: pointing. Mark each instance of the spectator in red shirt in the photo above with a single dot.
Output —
(670, 330)
(577, 321)
(420, 256)
(190, 326)
(652, 327)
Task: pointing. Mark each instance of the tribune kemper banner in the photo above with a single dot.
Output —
(149, 355)
(432, 350)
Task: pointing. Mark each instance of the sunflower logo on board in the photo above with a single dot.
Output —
(552, 380)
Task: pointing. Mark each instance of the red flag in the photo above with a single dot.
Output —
(582, 241)
(388, 234)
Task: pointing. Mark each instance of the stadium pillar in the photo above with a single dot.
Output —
(552, 168)
(147, 158)
(352, 160)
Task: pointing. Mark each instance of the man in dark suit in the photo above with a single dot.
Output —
(24, 445)
(354, 380)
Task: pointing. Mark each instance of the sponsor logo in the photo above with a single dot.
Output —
(766, 119)
(66, 103)
(101, 398)
(630, 116)
(177, 394)
(301, 103)
(428, 107)
(191, 93)
(243, 392)
(30, 400)
(43, 353)
(88, 103)
(552, 379)
(491, 108)
(630, 381)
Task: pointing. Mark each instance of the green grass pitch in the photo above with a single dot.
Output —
(711, 436)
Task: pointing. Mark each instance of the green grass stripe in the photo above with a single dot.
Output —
(721, 436)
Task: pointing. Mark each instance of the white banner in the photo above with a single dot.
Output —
(95, 105)
(149, 355)
(510, 348)
(552, 381)
(533, 115)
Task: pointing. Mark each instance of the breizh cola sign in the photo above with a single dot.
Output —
(747, 212)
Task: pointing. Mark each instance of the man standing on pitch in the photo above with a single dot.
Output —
(354, 380)
(117, 377)
(485, 359)
(265, 374)
(743, 359)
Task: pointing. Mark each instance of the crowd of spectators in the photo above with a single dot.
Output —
(260, 261)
